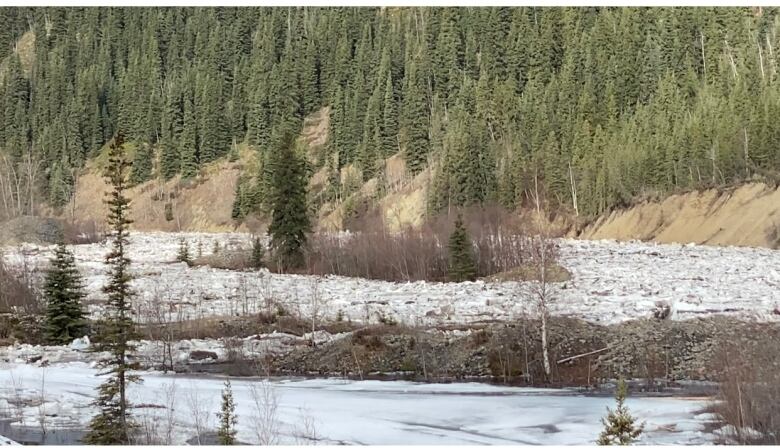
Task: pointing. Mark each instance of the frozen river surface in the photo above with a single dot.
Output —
(356, 412)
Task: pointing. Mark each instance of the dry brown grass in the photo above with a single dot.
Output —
(202, 204)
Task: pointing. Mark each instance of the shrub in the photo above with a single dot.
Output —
(411, 254)
(749, 392)
(18, 291)
(620, 426)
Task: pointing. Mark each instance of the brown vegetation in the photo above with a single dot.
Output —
(18, 291)
(749, 395)
(412, 254)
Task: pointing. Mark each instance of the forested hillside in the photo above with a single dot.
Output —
(594, 106)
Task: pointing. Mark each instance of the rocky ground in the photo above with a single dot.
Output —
(659, 312)
(611, 282)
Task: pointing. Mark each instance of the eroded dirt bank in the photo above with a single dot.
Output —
(746, 216)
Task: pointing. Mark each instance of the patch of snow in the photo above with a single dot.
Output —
(6, 442)
(80, 344)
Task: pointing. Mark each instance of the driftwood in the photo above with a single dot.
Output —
(572, 358)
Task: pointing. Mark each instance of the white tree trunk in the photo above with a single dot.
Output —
(545, 352)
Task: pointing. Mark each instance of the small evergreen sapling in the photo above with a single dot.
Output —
(63, 291)
(461, 258)
(258, 253)
(184, 252)
(226, 434)
(620, 426)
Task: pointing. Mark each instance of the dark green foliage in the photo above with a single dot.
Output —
(112, 425)
(60, 184)
(258, 253)
(461, 266)
(416, 118)
(63, 291)
(183, 255)
(236, 211)
(226, 434)
(289, 214)
(143, 163)
(637, 101)
(620, 426)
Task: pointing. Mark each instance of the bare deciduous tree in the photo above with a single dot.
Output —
(540, 289)
(306, 432)
(19, 184)
(266, 404)
(42, 422)
(200, 412)
(542, 260)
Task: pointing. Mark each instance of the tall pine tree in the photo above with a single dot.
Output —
(113, 425)
(289, 216)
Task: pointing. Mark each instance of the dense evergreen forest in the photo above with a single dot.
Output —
(593, 106)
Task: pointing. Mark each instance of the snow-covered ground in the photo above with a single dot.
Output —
(611, 282)
(354, 412)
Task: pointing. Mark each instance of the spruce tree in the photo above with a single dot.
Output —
(461, 254)
(289, 216)
(226, 435)
(112, 425)
(236, 211)
(63, 291)
(143, 164)
(183, 255)
(258, 253)
(389, 120)
(620, 426)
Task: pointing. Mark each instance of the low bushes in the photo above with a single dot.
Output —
(17, 290)
(411, 254)
(749, 393)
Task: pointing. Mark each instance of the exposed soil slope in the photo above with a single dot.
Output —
(202, 204)
(746, 216)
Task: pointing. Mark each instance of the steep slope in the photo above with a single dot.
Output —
(746, 216)
(201, 204)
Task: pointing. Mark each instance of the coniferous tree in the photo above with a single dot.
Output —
(237, 211)
(416, 117)
(183, 255)
(462, 266)
(684, 98)
(113, 424)
(143, 164)
(620, 426)
(389, 120)
(258, 253)
(63, 291)
(289, 214)
(226, 435)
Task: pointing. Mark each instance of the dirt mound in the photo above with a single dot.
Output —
(745, 216)
(30, 229)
